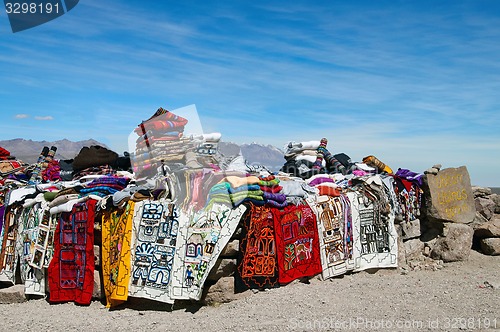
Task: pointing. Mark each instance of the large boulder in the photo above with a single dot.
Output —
(410, 229)
(490, 228)
(222, 292)
(13, 294)
(455, 245)
(481, 191)
(491, 246)
(448, 196)
(414, 249)
(223, 268)
(496, 199)
(485, 206)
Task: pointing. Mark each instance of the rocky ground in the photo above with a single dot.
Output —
(459, 296)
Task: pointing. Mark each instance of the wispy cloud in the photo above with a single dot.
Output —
(44, 118)
(21, 116)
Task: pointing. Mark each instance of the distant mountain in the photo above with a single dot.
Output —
(255, 153)
(29, 150)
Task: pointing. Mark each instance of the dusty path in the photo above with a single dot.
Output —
(454, 298)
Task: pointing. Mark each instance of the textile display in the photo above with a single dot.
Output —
(335, 234)
(9, 257)
(154, 239)
(375, 237)
(198, 247)
(116, 245)
(297, 243)
(71, 271)
(257, 261)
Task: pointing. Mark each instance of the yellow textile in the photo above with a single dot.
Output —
(116, 240)
(237, 181)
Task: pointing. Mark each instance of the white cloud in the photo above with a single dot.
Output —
(21, 116)
(44, 118)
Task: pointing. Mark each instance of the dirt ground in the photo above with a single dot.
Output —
(461, 296)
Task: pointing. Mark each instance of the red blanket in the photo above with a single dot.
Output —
(71, 271)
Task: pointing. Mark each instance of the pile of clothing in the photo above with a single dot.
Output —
(305, 159)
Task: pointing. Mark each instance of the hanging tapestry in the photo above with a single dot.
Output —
(297, 243)
(375, 237)
(31, 217)
(8, 256)
(257, 267)
(335, 233)
(71, 271)
(154, 237)
(44, 245)
(199, 246)
(116, 243)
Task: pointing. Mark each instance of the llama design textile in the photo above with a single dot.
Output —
(257, 265)
(71, 271)
(116, 243)
(335, 233)
(154, 239)
(375, 237)
(297, 243)
(198, 247)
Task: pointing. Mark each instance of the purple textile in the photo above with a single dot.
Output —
(320, 180)
(2, 214)
(406, 174)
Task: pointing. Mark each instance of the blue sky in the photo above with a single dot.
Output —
(413, 83)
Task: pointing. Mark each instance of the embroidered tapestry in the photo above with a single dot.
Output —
(297, 243)
(257, 265)
(116, 244)
(71, 271)
(335, 233)
(154, 239)
(375, 237)
(199, 246)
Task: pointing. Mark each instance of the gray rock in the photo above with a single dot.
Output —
(491, 246)
(98, 292)
(413, 249)
(231, 250)
(223, 268)
(455, 246)
(479, 219)
(485, 207)
(223, 292)
(448, 196)
(431, 170)
(481, 191)
(410, 229)
(13, 294)
(488, 229)
(97, 255)
(496, 199)
(437, 166)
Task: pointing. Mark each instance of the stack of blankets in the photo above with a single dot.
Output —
(259, 190)
(160, 141)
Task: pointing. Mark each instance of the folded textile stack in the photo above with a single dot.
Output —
(105, 185)
(5, 154)
(206, 148)
(308, 158)
(160, 141)
(94, 160)
(235, 190)
(300, 158)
